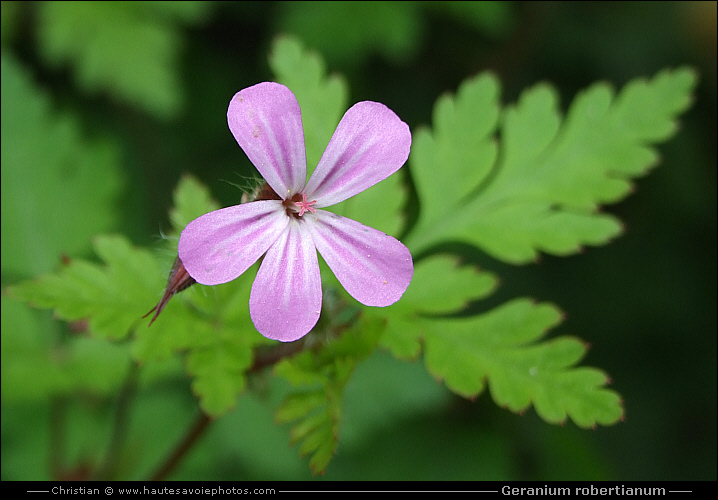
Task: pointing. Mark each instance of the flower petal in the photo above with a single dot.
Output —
(266, 121)
(286, 297)
(219, 246)
(372, 266)
(369, 144)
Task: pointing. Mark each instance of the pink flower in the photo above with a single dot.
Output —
(369, 144)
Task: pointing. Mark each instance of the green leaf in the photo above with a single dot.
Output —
(191, 200)
(129, 49)
(225, 339)
(439, 286)
(58, 187)
(542, 190)
(321, 98)
(500, 346)
(219, 369)
(114, 297)
(449, 162)
(319, 377)
(442, 286)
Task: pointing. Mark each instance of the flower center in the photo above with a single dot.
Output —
(297, 205)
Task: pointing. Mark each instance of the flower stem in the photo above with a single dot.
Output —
(124, 402)
(58, 407)
(193, 434)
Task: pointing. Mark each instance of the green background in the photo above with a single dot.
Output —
(116, 103)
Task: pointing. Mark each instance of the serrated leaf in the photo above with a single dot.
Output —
(321, 98)
(113, 296)
(316, 427)
(319, 377)
(58, 188)
(299, 404)
(219, 370)
(500, 347)
(311, 430)
(129, 49)
(439, 286)
(550, 176)
(453, 159)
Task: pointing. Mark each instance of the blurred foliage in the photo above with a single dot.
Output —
(129, 49)
(54, 166)
(105, 129)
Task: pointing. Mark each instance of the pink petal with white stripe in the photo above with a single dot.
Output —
(286, 297)
(219, 246)
(266, 121)
(369, 144)
(372, 266)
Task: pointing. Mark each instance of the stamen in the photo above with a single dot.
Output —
(305, 205)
